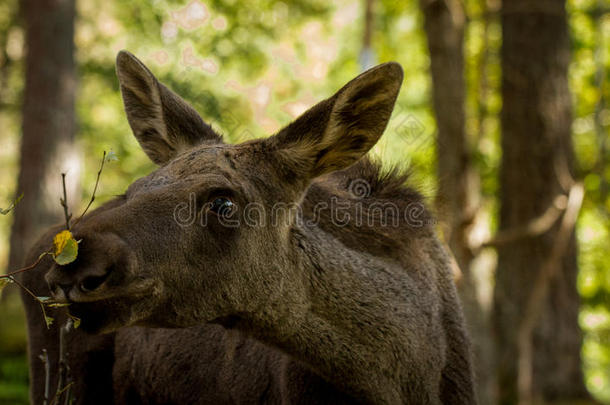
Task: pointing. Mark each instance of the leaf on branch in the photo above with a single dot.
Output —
(4, 281)
(75, 320)
(43, 299)
(57, 304)
(12, 206)
(111, 156)
(66, 248)
(48, 320)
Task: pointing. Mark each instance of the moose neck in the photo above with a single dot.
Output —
(351, 325)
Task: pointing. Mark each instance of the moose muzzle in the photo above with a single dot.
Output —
(101, 266)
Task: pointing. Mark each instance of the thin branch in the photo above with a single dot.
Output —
(30, 267)
(535, 302)
(562, 170)
(97, 180)
(67, 390)
(535, 227)
(44, 312)
(64, 202)
(14, 280)
(47, 377)
(63, 363)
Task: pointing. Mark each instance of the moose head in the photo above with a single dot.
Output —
(140, 264)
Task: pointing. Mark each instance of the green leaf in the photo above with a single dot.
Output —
(57, 304)
(75, 319)
(10, 207)
(111, 156)
(48, 320)
(66, 248)
(43, 299)
(4, 281)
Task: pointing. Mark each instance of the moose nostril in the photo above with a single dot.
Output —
(91, 283)
(66, 288)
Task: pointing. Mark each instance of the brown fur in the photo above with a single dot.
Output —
(310, 309)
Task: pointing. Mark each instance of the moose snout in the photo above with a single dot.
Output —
(101, 258)
(67, 285)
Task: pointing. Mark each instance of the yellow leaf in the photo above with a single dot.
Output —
(66, 248)
(60, 240)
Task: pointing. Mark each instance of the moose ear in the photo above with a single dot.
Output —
(340, 130)
(162, 122)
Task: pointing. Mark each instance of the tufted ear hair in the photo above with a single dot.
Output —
(162, 122)
(340, 130)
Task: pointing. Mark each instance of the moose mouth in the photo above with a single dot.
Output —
(103, 316)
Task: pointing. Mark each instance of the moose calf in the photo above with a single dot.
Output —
(277, 298)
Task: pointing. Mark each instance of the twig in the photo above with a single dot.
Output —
(12, 206)
(68, 217)
(30, 267)
(67, 389)
(44, 312)
(97, 180)
(536, 298)
(47, 377)
(63, 364)
(64, 202)
(562, 170)
(535, 227)
(24, 288)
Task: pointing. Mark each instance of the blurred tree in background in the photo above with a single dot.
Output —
(536, 301)
(249, 69)
(47, 120)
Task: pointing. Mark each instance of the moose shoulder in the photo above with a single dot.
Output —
(324, 305)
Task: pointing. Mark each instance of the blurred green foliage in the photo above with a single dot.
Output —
(251, 69)
(13, 362)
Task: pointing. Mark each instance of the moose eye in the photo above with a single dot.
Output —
(222, 206)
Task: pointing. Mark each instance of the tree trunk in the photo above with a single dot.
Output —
(536, 166)
(444, 25)
(367, 54)
(48, 121)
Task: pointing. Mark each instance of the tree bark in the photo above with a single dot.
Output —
(536, 168)
(444, 24)
(48, 121)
